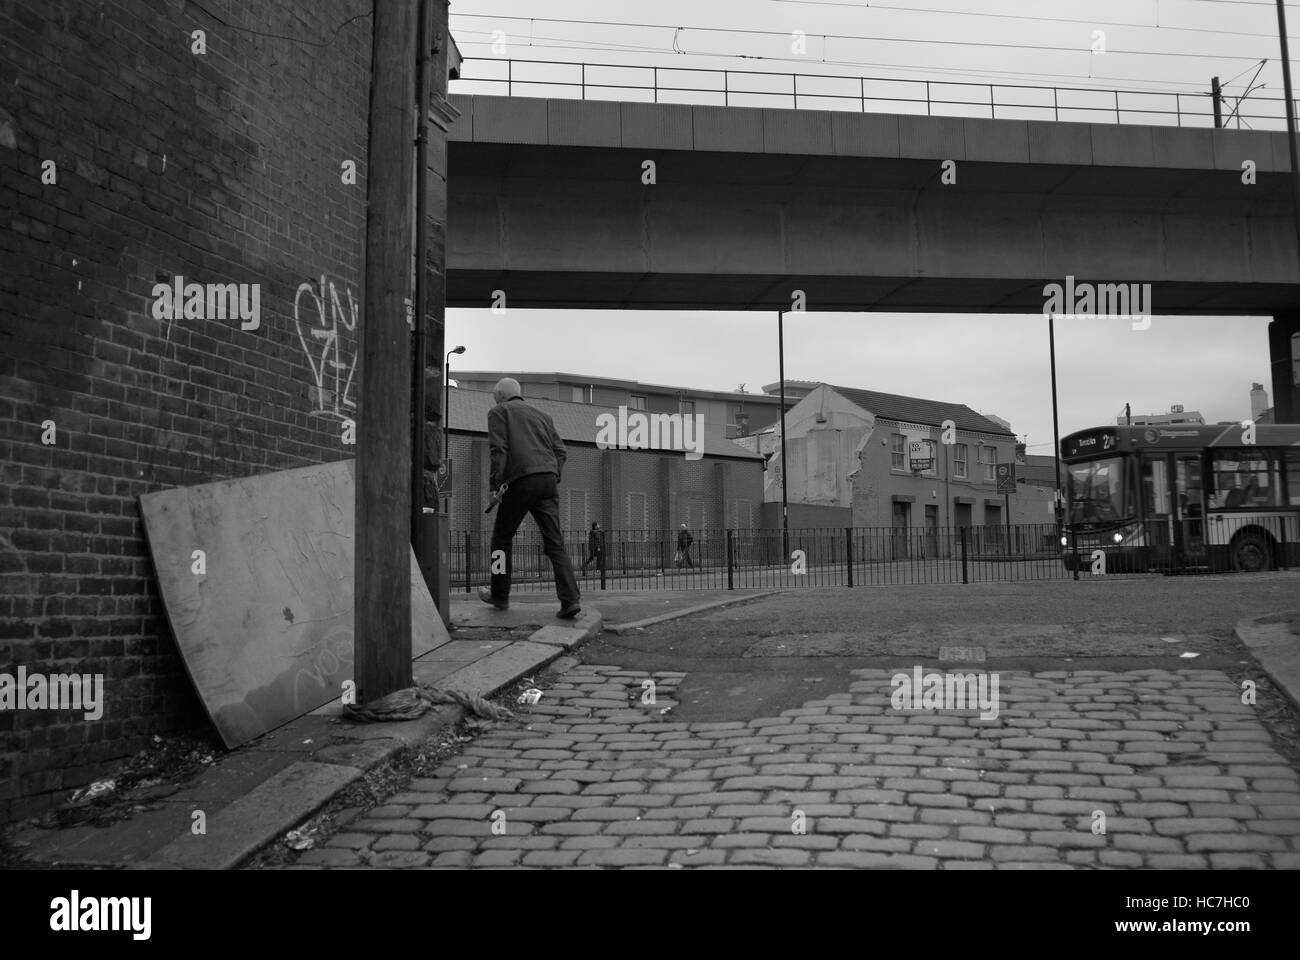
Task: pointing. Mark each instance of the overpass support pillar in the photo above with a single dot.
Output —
(1284, 352)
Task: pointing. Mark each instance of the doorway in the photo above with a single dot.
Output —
(902, 519)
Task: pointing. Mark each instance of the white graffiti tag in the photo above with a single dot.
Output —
(325, 354)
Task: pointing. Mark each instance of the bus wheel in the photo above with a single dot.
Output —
(1252, 553)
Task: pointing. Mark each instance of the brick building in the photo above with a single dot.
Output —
(850, 452)
(132, 154)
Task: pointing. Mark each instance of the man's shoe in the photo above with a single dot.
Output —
(569, 610)
(485, 594)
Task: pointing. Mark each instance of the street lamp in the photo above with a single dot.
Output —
(446, 398)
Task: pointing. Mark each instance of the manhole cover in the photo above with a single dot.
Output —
(962, 654)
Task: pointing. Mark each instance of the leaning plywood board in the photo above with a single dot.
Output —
(256, 576)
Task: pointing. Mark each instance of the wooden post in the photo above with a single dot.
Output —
(420, 530)
(382, 615)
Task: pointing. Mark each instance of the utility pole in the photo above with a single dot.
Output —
(1290, 120)
(1056, 421)
(785, 506)
(382, 613)
(1216, 92)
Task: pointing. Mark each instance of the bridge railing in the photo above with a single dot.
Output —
(756, 88)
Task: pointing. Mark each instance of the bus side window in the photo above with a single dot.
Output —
(1264, 486)
(1293, 477)
(1247, 478)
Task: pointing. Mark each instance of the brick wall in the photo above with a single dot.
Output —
(222, 167)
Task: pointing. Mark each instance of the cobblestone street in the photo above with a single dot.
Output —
(1180, 768)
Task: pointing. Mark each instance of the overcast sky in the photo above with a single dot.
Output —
(994, 364)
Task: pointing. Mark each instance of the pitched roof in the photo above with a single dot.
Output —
(893, 406)
(1037, 469)
(575, 422)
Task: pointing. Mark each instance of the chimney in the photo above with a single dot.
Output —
(1258, 400)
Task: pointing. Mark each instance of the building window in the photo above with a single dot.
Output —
(990, 464)
(897, 452)
(696, 519)
(636, 402)
(579, 395)
(737, 420)
(573, 512)
(743, 515)
(638, 518)
(959, 461)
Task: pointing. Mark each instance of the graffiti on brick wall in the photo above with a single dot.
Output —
(322, 315)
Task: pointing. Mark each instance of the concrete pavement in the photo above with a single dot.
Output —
(250, 796)
(1274, 640)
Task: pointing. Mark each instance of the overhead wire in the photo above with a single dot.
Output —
(1021, 16)
(836, 36)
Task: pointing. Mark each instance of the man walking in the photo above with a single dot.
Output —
(684, 541)
(528, 455)
(595, 547)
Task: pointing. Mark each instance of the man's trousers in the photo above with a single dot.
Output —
(535, 494)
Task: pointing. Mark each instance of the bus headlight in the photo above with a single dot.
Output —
(1064, 542)
(1118, 537)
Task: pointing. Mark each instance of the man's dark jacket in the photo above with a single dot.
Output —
(523, 440)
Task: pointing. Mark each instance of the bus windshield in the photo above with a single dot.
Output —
(1096, 490)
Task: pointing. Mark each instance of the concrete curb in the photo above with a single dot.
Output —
(251, 822)
(714, 605)
(1276, 648)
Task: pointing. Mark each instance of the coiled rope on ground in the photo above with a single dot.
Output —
(413, 702)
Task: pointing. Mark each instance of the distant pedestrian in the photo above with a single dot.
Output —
(684, 541)
(528, 455)
(595, 548)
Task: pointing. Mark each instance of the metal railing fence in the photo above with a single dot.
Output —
(859, 556)
(704, 86)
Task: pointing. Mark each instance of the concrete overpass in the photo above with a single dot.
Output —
(546, 202)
